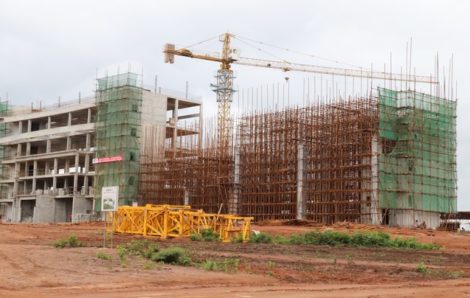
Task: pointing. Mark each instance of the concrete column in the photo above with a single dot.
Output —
(29, 125)
(35, 168)
(75, 177)
(18, 150)
(16, 175)
(87, 168)
(69, 120)
(28, 148)
(186, 197)
(301, 206)
(49, 122)
(234, 201)
(87, 141)
(35, 171)
(200, 126)
(48, 146)
(175, 131)
(376, 216)
(20, 126)
(69, 143)
(88, 116)
(54, 178)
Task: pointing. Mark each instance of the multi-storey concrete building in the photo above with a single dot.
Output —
(49, 160)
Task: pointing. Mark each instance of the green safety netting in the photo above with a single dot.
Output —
(119, 102)
(417, 169)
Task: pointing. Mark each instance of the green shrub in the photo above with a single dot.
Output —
(210, 265)
(103, 256)
(150, 250)
(422, 268)
(122, 253)
(278, 239)
(137, 247)
(61, 243)
(209, 235)
(371, 239)
(261, 238)
(172, 255)
(205, 235)
(231, 264)
(195, 237)
(149, 265)
(72, 241)
(237, 239)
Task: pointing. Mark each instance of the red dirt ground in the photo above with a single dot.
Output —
(31, 267)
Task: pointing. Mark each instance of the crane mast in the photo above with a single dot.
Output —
(224, 91)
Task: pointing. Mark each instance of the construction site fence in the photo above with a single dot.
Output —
(176, 221)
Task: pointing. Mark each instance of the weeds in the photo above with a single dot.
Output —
(122, 253)
(261, 238)
(172, 255)
(422, 268)
(229, 265)
(149, 265)
(72, 241)
(103, 256)
(205, 235)
(333, 238)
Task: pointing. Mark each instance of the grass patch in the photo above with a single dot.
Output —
(71, 241)
(261, 238)
(205, 235)
(172, 255)
(103, 256)
(229, 265)
(422, 268)
(333, 238)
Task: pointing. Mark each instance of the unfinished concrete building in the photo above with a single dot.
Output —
(56, 159)
(385, 159)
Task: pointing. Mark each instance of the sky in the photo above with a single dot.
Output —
(58, 48)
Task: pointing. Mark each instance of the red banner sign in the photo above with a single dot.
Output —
(108, 159)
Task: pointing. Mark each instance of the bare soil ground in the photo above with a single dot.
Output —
(31, 267)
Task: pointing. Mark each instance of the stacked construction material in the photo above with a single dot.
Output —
(179, 221)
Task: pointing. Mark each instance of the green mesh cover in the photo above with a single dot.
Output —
(119, 103)
(417, 169)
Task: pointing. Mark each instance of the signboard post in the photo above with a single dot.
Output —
(109, 204)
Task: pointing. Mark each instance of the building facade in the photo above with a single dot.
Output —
(56, 159)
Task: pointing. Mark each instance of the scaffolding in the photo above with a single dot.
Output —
(119, 102)
(4, 173)
(340, 160)
(417, 167)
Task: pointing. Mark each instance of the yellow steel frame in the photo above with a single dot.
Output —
(179, 221)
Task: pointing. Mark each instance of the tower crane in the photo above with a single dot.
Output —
(224, 86)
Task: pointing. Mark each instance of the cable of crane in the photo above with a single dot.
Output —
(264, 51)
(201, 42)
(238, 37)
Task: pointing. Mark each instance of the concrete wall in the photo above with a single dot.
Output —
(80, 209)
(26, 209)
(60, 210)
(407, 218)
(153, 129)
(6, 212)
(44, 209)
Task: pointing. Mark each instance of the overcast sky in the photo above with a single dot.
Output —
(56, 48)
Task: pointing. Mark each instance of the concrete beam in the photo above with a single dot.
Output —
(53, 133)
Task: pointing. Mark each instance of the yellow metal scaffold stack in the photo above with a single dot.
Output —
(179, 221)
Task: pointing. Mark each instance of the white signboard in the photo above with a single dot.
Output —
(109, 198)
